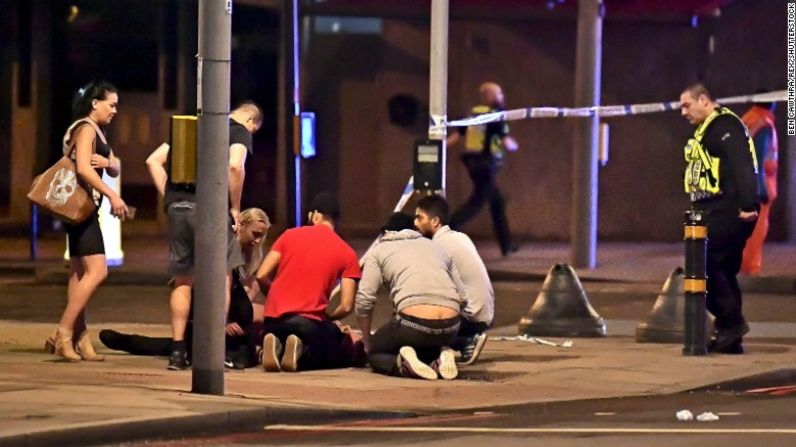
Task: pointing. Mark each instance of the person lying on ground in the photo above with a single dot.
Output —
(244, 308)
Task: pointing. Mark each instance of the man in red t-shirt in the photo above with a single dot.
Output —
(309, 261)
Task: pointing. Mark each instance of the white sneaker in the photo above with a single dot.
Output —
(445, 365)
(411, 366)
(272, 350)
(293, 350)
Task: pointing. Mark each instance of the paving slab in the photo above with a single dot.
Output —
(42, 399)
(621, 262)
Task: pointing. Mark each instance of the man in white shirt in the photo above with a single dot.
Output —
(431, 218)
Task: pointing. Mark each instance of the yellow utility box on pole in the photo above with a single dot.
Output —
(182, 156)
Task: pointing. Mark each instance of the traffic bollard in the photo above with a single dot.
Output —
(695, 283)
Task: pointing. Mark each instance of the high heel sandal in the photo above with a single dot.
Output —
(49, 343)
(63, 346)
(86, 350)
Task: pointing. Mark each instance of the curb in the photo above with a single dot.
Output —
(774, 285)
(776, 378)
(182, 426)
(57, 274)
(53, 274)
(118, 277)
(505, 275)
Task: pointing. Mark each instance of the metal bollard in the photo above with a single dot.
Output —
(695, 283)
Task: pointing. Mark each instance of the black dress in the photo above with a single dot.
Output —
(85, 238)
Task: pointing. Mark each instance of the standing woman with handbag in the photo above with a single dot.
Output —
(84, 142)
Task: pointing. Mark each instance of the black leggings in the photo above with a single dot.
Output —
(426, 336)
(239, 348)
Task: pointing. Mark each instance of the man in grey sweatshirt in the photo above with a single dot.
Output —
(431, 219)
(427, 297)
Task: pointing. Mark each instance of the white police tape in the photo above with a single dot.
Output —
(409, 189)
(535, 340)
(436, 127)
(604, 111)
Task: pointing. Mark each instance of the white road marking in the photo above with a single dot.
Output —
(604, 413)
(730, 413)
(559, 430)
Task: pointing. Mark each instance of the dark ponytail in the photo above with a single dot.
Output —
(81, 103)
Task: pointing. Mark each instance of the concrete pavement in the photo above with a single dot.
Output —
(146, 255)
(44, 401)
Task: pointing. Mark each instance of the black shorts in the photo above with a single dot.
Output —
(181, 220)
(85, 238)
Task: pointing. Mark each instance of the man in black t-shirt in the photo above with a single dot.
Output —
(484, 150)
(721, 180)
(180, 203)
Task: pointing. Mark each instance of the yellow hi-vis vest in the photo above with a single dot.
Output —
(475, 138)
(702, 176)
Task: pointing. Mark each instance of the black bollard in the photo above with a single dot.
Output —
(695, 283)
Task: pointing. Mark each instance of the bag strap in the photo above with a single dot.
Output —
(97, 130)
(73, 143)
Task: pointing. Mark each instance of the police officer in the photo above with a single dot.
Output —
(483, 155)
(721, 179)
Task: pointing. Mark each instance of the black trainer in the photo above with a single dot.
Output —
(510, 249)
(735, 347)
(178, 361)
(472, 350)
(729, 340)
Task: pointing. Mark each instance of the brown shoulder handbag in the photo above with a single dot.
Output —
(59, 190)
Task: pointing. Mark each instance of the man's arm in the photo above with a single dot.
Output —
(237, 173)
(252, 287)
(348, 291)
(270, 264)
(453, 139)
(456, 277)
(365, 322)
(156, 164)
(732, 138)
(366, 296)
(510, 143)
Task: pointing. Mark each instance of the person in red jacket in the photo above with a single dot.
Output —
(760, 121)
